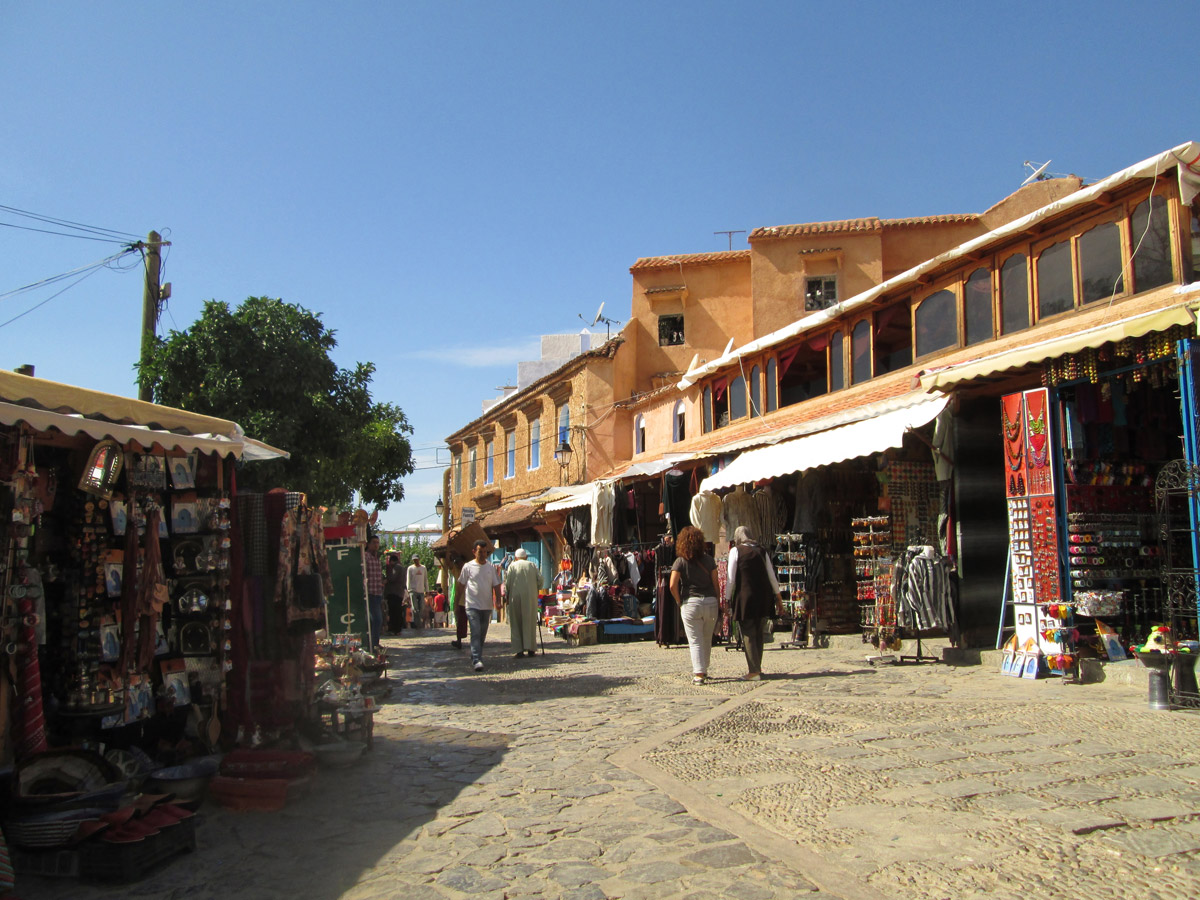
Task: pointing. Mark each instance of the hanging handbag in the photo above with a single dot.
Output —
(307, 589)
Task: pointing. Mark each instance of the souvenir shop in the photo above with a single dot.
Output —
(859, 542)
(140, 629)
(1083, 454)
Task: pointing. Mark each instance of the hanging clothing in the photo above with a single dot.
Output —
(676, 498)
(604, 503)
(923, 587)
(302, 553)
(739, 508)
(706, 515)
(809, 498)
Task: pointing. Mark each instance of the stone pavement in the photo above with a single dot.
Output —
(602, 772)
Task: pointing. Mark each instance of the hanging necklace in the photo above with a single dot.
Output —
(1013, 454)
(1037, 420)
(1012, 430)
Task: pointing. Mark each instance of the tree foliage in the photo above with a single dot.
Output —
(266, 366)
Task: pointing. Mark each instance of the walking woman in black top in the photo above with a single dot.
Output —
(694, 587)
(753, 593)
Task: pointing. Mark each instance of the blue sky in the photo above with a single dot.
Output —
(446, 181)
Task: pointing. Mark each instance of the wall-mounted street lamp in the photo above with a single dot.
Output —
(562, 454)
(439, 507)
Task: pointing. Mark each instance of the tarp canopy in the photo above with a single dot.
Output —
(25, 390)
(146, 438)
(826, 447)
(1130, 327)
(580, 495)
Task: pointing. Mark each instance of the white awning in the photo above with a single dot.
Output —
(826, 447)
(1131, 327)
(579, 495)
(146, 438)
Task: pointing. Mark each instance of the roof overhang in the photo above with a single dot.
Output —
(1129, 327)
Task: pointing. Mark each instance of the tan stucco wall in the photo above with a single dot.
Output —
(716, 308)
(781, 265)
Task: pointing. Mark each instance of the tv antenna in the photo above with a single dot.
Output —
(1039, 172)
(600, 317)
(730, 234)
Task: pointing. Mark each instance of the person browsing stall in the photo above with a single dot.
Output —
(753, 593)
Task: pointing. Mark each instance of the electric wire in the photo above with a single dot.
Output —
(52, 296)
(106, 262)
(82, 237)
(67, 223)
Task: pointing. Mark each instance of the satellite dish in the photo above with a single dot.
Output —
(600, 311)
(728, 347)
(1038, 172)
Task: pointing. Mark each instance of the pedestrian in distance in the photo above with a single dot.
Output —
(439, 610)
(752, 591)
(374, 573)
(694, 587)
(481, 587)
(521, 582)
(393, 594)
(417, 584)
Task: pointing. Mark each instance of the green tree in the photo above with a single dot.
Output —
(266, 366)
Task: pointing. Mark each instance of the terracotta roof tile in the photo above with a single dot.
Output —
(688, 259)
(946, 219)
(510, 515)
(842, 226)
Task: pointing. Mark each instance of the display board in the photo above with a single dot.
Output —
(347, 608)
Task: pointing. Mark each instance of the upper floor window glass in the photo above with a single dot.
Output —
(756, 391)
(937, 323)
(510, 453)
(458, 473)
(473, 469)
(670, 330)
(1151, 236)
(837, 362)
(678, 423)
(706, 409)
(1014, 294)
(564, 424)
(803, 371)
(977, 303)
(820, 292)
(639, 434)
(489, 461)
(772, 385)
(720, 396)
(1100, 262)
(1055, 284)
(892, 340)
(860, 363)
(737, 397)
(535, 444)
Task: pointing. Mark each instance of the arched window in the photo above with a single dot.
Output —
(678, 423)
(860, 362)
(737, 397)
(1100, 262)
(639, 434)
(564, 425)
(1055, 284)
(977, 301)
(1014, 294)
(756, 392)
(937, 323)
(837, 362)
(706, 409)
(1152, 239)
(772, 385)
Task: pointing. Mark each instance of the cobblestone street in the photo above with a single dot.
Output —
(601, 771)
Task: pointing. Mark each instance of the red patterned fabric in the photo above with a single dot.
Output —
(32, 718)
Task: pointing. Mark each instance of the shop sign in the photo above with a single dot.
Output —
(468, 515)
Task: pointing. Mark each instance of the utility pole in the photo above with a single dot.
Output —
(152, 296)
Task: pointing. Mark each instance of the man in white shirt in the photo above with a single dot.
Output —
(481, 585)
(417, 582)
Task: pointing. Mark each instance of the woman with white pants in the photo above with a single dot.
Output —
(694, 587)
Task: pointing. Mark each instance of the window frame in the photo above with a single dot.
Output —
(870, 353)
(1000, 260)
(489, 461)
(679, 422)
(510, 452)
(824, 279)
(953, 286)
(682, 342)
(639, 434)
(706, 410)
(838, 336)
(756, 407)
(772, 384)
(985, 266)
(535, 445)
(473, 469)
(458, 467)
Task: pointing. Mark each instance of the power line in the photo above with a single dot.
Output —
(55, 278)
(67, 223)
(81, 237)
(94, 270)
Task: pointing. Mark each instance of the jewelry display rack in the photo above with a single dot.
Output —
(873, 577)
(791, 569)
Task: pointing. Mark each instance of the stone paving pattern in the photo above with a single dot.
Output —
(602, 772)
